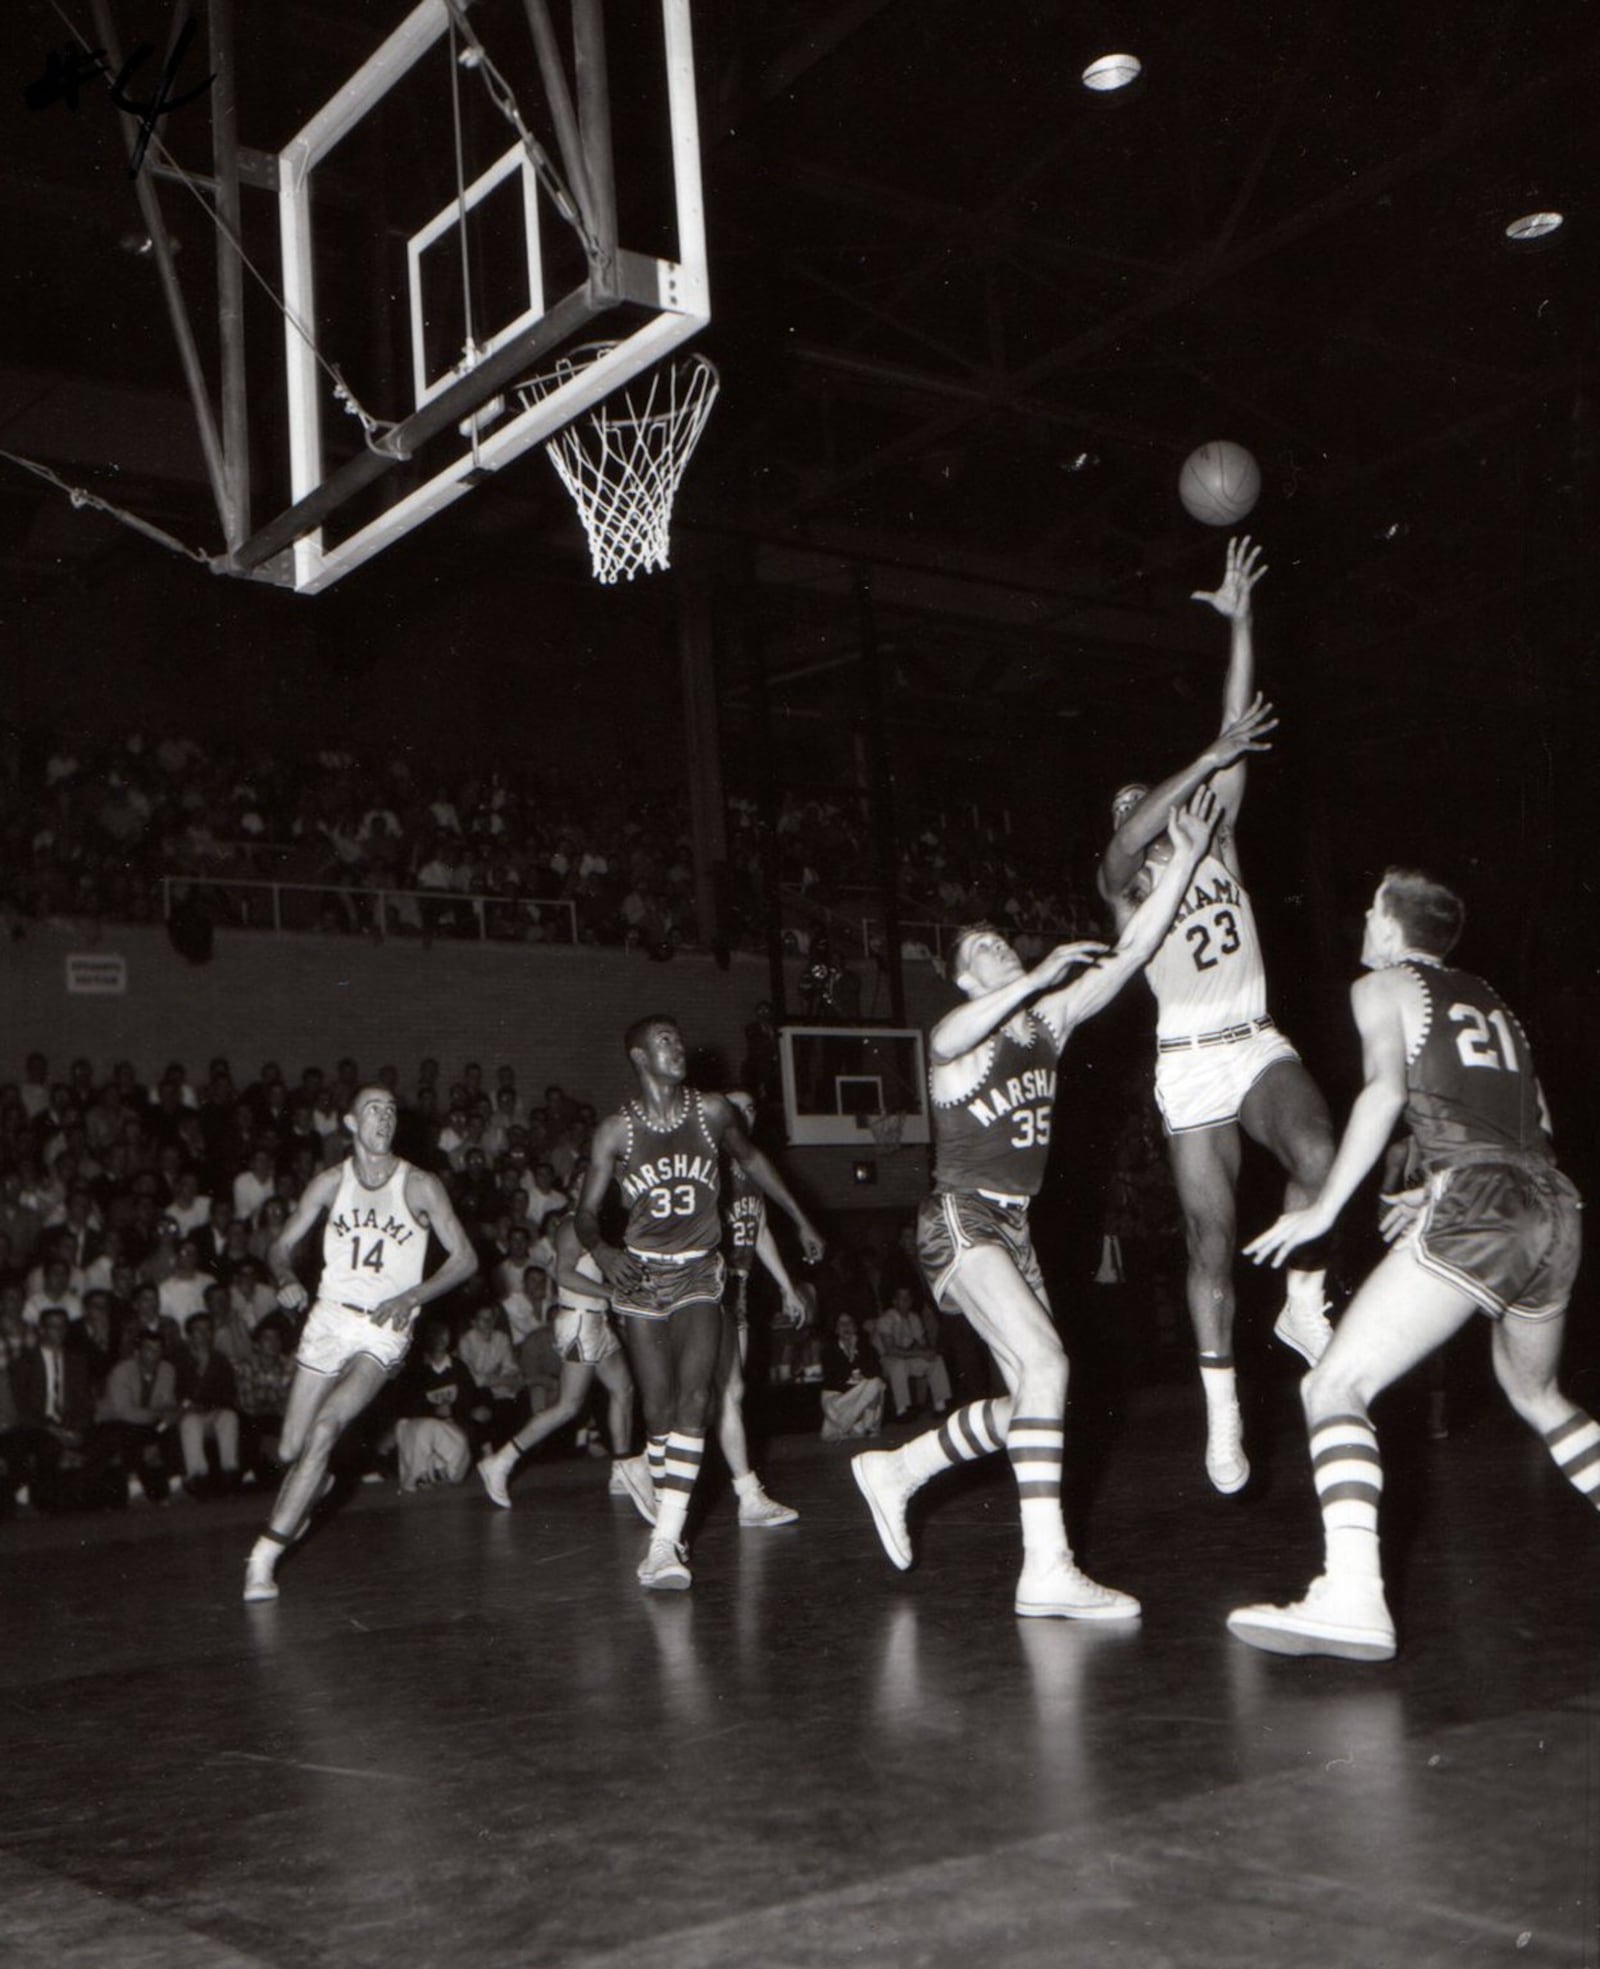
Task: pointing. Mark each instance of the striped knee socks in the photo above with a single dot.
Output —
(1349, 1482)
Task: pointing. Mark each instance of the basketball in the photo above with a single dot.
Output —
(1219, 483)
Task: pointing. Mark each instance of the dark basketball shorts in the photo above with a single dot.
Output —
(1508, 1233)
(951, 1223)
(654, 1288)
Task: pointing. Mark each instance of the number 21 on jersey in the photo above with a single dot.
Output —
(1485, 1039)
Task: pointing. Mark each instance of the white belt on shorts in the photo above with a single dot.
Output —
(1226, 1036)
(1000, 1196)
(665, 1257)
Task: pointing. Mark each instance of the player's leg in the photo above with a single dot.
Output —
(630, 1475)
(1205, 1172)
(951, 1227)
(1010, 1318)
(692, 1339)
(756, 1510)
(618, 1384)
(1285, 1112)
(1397, 1319)
(730, 1411)
(652, 1370)
(314, 1419)
(1527, 1358)
(572, 1391)
(674, 1456)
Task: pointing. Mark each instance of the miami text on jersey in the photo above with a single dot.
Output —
(1223, 889)
(348, 1222)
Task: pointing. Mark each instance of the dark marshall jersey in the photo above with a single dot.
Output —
(744, 1217)
(1470, 1083)
(998, 1136)
(671, 1182)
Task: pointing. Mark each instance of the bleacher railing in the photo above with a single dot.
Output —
(243, 904)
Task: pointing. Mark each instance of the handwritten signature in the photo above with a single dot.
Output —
(68, 70)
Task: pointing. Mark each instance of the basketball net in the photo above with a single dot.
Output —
(623, 461)
(886, 1130)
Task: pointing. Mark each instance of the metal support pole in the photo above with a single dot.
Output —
(702, 752)
(230, 276)
(178, 314)
(880, 794)
(767, 807)
(594, 122)
(555, 88)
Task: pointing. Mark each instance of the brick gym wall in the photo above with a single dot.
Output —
(551, 1012)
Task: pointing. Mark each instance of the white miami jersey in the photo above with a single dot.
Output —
(570, 1300)
(373, 1247)
(1208, 974)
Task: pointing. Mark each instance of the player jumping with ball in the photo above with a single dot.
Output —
(1222, 1066)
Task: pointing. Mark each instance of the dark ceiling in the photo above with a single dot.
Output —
(970, 318)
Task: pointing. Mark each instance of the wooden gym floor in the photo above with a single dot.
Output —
(465, 1736)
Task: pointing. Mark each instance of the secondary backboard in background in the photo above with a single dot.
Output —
(433, 255)
(838, 1079)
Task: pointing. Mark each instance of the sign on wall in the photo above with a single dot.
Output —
(94, 974)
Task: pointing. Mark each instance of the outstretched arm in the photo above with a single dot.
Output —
(1375, 1001)
(971, 1022)
(1141, 936)
(428, 1198)
(316, 1197)
(767, 1251)
(1125, 854)
(749, 1157)
(1231, 600)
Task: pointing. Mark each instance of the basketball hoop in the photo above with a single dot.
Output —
(886, 1129)
(623, 460)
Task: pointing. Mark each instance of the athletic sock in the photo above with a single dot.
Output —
(749, 1485)
(963, 1436)
(1217, 1380)
(684, 1455)
(1575, 1446)
(269, 1547)
(1349, 1481)
(655, 1455)
(1034, 1444)
(1307, 1289)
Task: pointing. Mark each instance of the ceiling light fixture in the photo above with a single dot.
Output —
(1112, 72)
(1534, 225)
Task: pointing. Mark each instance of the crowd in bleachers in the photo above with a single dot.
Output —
(143, 1350)
(90, 829)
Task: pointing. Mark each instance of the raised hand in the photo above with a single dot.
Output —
(1247, 733)
(1244, 569)
(1055, 964)
(1190, 827)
